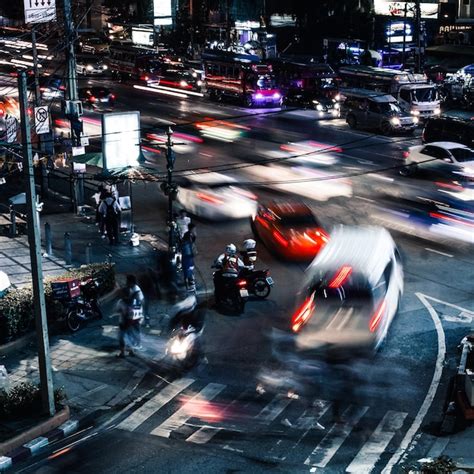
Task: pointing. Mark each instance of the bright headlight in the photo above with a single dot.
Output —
(183, 83)
(338, 97)
(89, 67)
(337, 106)
(415, 112)
(437, 111)
(199, 83)
(319, 107)
(395, 121)
(416, 120)
(195, 74)
(104, 67)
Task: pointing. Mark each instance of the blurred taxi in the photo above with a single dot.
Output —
(351, 294)
(215, 196)
(289, 229)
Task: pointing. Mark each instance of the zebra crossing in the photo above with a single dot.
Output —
(245, 422)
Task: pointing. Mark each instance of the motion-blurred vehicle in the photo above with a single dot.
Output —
(97, 97)
(51, 87)
(94, 45)
(449, 129)
(444, 215)
(215, 196)
(308, 153)
(91, 68)
(303, 181)
(290, 229)
(375, 110)
(446, 159)
(179, 78)
(351, 293)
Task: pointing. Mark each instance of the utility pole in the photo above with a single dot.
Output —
(418, 36)
(404, 33)
(72, 110)
(171, 189)
(34, 240)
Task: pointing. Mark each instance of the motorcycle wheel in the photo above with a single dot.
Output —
(261, 289)
(73, 321)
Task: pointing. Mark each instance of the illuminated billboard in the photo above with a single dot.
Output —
(162, 12)
(388, 8)
(142, 36)
(121, 139)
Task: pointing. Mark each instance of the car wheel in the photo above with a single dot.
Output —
(386, 128)
(352, 122)
(73, 321)
(408, 170)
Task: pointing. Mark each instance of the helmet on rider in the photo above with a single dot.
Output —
(231, 249)
(249, 244)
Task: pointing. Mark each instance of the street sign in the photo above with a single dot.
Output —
(12, 128)
(84, 141)
(78, 150)
(41, 120)
(40, 11)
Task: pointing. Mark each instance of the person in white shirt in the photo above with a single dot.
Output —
(182, 221)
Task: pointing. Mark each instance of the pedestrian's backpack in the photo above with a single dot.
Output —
(230, 265)
(111, 213)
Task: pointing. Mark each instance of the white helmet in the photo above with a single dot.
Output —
(231, 249)
(250, 244)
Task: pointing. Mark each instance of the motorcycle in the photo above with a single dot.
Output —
(83, 307)
(259, 283)
(230, 292)
(183, 347)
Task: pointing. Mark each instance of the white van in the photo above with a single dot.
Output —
(350, 295)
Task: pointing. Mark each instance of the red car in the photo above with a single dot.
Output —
(289, 229)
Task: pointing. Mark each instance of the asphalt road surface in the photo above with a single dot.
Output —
(212, 419)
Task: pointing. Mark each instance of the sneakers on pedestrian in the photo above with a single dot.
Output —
(120, 355)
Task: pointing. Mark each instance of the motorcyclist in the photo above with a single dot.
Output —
(187, 315)
(249, 254)
(229, 266)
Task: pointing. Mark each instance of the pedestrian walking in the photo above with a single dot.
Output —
(110, 211)
(131, 317)
(183, 221)
(99, 197)
(187, 255)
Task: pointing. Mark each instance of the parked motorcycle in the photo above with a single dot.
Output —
(84, 307)
(259, 283)
(231, 293)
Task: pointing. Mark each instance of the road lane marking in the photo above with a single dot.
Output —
(179, 417)
(377, 443)
(364, 199)
(203, 434)
(435, 381)
(273, 410)
(136, 418)
(440, 253)
(335, 437)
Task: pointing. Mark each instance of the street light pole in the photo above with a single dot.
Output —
(34, 240)
(418, 35)
(170, 157)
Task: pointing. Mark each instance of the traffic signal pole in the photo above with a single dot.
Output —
(34, 240)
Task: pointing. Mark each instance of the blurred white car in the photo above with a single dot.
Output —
(307, 152)
(215, 196)
(446, 158)
(182, 142)
(350, 295)
(91, 68)
(303, 181)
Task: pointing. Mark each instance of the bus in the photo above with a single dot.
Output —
(240, 76)
(413, 92)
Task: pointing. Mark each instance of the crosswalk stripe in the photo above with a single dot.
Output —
(271, 412)
(377, 443)
(333, 440)
(179, 417)
(306, 422)
(140, 415)
(203, 434)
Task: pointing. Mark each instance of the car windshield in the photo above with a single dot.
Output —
(425, 94)
(463, 154)
(266, 82)
(390, 107)
(299, 220)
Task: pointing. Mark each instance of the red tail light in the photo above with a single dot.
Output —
(209, 198)
(92, 98)
(280, 239)
(241, 283)
(42, 89)
(303, 313)
(112, 96)
(341, 277)
(406, 154)
(62, 88)
(377, 316)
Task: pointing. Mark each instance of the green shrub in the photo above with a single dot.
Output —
(24, 400)
(16, 307)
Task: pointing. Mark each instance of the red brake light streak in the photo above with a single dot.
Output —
(303, 313)
(377, 317)
(341, 277)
